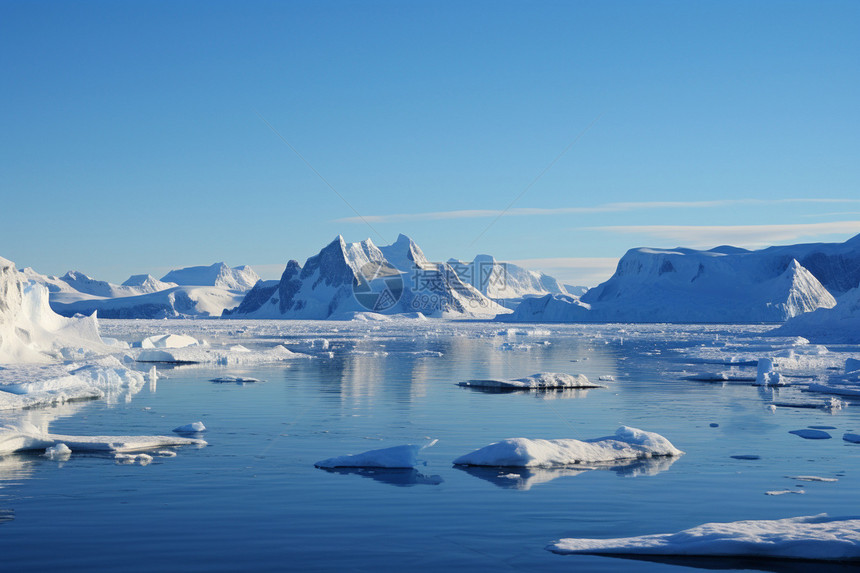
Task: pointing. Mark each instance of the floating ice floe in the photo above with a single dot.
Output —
(394, 457)
(26, 436)
(812, 478)
(29, 386)
(192, 428)
(540, 381)
(811, 434)
(221, 356)
(723, 376)
(627, 444)
(234, 380)
(819, 538)
(784, 491)
(142, 459)
(853, 438)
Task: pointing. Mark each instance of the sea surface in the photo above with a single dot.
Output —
(252, 499)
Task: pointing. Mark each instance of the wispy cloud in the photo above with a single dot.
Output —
(738, 235)
(603, 208)
(580, 271)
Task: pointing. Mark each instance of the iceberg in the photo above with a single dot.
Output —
(819, 538)
(627, 444)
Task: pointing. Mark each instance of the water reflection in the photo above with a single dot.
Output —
(743, 563)
(552, 394)
(397, 477)
(526, 478)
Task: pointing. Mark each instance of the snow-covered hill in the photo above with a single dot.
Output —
(218, 275)
(176, 302)
(145, 284)
(685, 285)
(348, 278)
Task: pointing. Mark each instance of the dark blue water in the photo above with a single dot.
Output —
(253, 501)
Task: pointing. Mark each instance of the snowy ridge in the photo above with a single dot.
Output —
(176, 302)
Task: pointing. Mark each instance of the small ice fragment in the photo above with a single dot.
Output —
(746, 457)
(166, 453)
(811, 434)
(853, 438)
(192, 428)
(811, 478)
(606, 378)
(772, 407)
(714, 425)
(58, 452)
(766, 375)
(144, 459)
(784, 491)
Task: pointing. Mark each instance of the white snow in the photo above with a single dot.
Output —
(394, 457)
(540, 381)
(812, 478)
(839, 324)
(767, 375)
(627, 443)
(813, 537)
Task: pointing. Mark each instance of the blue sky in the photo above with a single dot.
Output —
(132, 138)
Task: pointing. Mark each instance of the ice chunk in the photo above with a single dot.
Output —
(766, 375)
(234, 380)
(812, 478)
(169, 341)
(394, 457)
(540, 381)
(853, 438)
(192, 428)
(59, 452)
(783, 491)
(811, 434)
(812, 537)
(142, 459)
(627, 443)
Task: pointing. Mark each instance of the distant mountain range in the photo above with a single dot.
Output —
(725, 284)
(360, 280)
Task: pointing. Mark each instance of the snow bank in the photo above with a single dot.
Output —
(394, 457)
(540, 381)
(813, 537)
(627, 443)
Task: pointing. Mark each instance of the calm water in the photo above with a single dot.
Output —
(253, 501)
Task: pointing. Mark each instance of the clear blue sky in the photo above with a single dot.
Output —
(130, 139)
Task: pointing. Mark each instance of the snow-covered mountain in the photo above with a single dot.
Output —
(348, 278)
(75, 286)
(685, 285)
(218, 275)
(505, 281)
